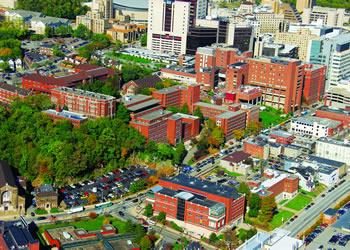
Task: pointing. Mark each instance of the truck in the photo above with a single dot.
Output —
(73, 210)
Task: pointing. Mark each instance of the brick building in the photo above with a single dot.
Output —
(91, 104)
(198, 202)
(252, 113)
(281, 81)
(314, 83)
(257, 147)
(236, 75)
(177, 96)
(279, 186)
(340, 115)
(134, 86)
(282, 137)
(9, 92)
(83, 74)
(161, 125)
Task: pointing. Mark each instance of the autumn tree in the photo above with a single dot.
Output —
(238, 134)
(165, 171)
(217, 137)
(243, 188)
(268, 207)
(231, 239)
(92, 198)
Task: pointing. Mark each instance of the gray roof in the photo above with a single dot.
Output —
(6, 175)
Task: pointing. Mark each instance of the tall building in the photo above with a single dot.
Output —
(281, 81)
(168, 24)
(338, 96)
(314, 83)
(304, 4)
(327, 16)
(269, 23)
(104, 7)
(94, 21)
(334, 52)
(333, 150)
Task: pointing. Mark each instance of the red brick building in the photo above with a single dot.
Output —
(340, 115)
(231, 121)
(74, 118)
(279, 186)
(9, 92)
(198, 202)
(83, 74)
(161, 125)
(252, 113)
(91, 104)
(177, 96)
(236, 75)
(281, 81)
(282, 137)
(314, 83)
(257, 147)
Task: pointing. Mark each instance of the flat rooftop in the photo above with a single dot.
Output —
(66, 114)
(155, 115)
(281, 133)
(211, 106)
(85, 93)
(229, 114)
(321, 121)
(205, 186)
(171, 89)
(144, 105)
(130, 100)
(325, 161)
(335, 142)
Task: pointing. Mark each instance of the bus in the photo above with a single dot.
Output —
(73, 210)
(104, 205)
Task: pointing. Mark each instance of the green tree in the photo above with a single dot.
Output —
(231, 239)
(57, 51)
(139, 233)
(118, 44)
(197, 112)
(4, 66)
(161, 217)
(213, 238)
(180, 153)
(123, 113)
(254, 203)
(243, 189)
(49, 31)
(148, 210)
(82, 32)
(143, 40)
(137, 186)
(217, 137)
(268, 207)
(185, 109)
(145, 243)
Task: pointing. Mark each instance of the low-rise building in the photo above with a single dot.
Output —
(39, 24)
(306, 175)
(201, 203)
(257, 147)
(83, 74)
(126, 32)
(278, 185)
(46, 197)
(11, 201)
(9, 92)
(75, 118)
(281, 136)
(336, 114)
(234, 162)
(17, 235)
(338, 95)
(314, 126)
(133, 87)
(333, 150)
(276, 240)
(327, 175)
(91, 104)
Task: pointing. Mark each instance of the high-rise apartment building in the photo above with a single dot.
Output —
(105, 7)
(334, 52)
(93, 21)
(327, 16)
(304, 4)
(281, 81)
(169, 22)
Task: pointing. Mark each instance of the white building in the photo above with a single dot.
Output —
(334, 150)
(327, 16)
(39, 24)
(314, 126)
(8, 3)
(338, 95)
(168, 24)
(327, 175)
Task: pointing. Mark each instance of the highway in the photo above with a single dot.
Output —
(308, 217)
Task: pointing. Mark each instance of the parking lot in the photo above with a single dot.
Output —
(331, 237)
(107, 187)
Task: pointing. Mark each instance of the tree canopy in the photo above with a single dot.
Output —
(57, 8)
(56, 151)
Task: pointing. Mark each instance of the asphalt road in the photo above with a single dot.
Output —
(308, 217)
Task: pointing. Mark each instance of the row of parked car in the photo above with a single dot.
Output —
(315, 233)
(110, 186)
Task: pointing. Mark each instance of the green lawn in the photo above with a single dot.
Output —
(271, 117)
(227, 172)
(299, 202)
(282, 202)
(317, 191)
(281, 217)
(40, 211)
(88, 224)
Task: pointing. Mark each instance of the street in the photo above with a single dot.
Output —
(308, 217)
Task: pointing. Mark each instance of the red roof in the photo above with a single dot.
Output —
(84, 72)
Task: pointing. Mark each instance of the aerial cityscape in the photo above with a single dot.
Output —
(174, 124)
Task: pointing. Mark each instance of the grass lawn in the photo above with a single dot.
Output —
(282, 202)
(271, 117)
(234, 174)
(317, 191)
(40, 211)
(55, 210)
(281, 217)
(299, 202)
(88, 224)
